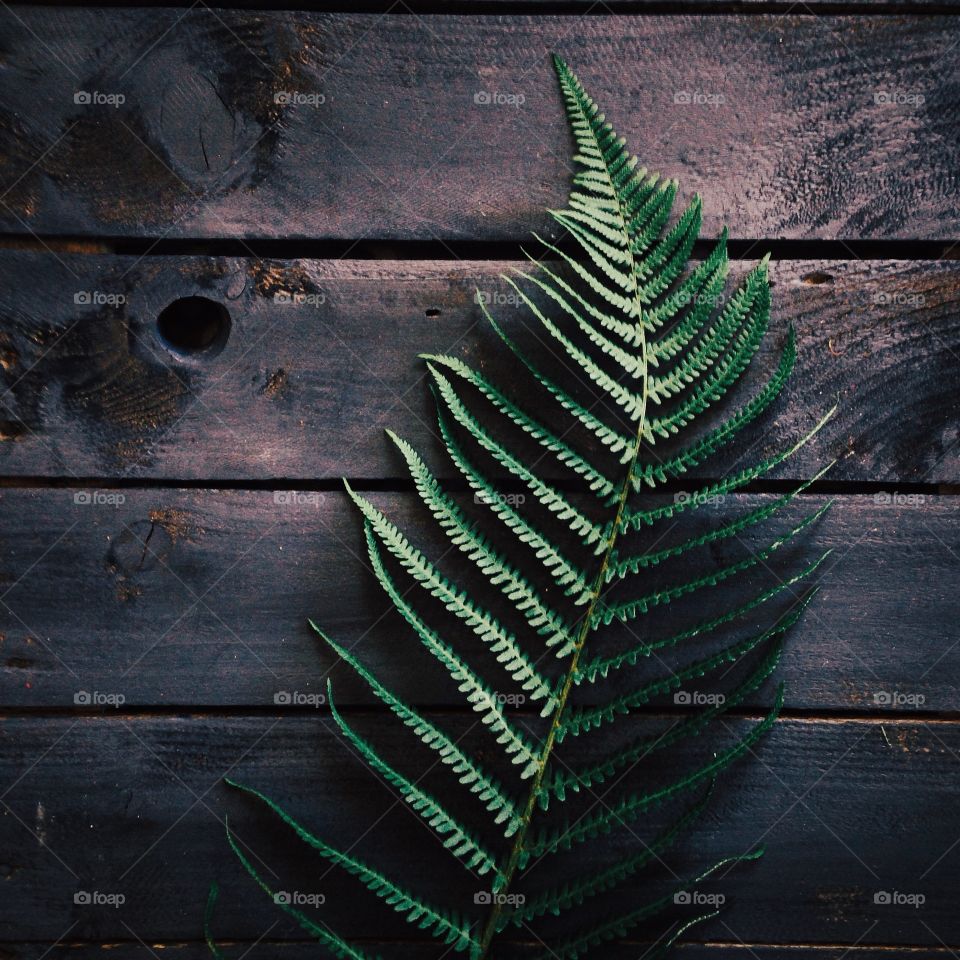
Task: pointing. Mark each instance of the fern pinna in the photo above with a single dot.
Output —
(658, 346)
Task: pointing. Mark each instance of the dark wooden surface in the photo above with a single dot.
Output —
(304, 390)
(183, 586)
(790, 142)
(149, 799)
(199, 598)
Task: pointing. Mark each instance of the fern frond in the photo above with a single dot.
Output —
(480, 697)
(652, 473)
(630, 609)
(477, 781)
(752, 302)
(549, 496)
(630, 364)
(665, 261)
(576, 892)
(501, 641)
(610, 437)
(602, 666)
(212, 896)
(621, 567)
(628, 348)
(593, 936)
(596, 481)
(445, 925)
(332, 941)
(698, 294)
(692, 366)
(567, 835)
(453, 834)
(559, 291)
(494, 566)
(571, 578)
(584, 719)
(635, 518)
(564, 781)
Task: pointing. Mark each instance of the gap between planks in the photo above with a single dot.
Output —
(813, 717)
(440, 8)
(738, 248)
(453, 485)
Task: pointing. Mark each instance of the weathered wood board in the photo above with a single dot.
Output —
(169, 521)
(322, 356)
(130, 806)
(292, 950)
(302, 124)
(201, 598)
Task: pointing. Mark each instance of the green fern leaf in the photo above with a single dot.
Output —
(577, 779)
(576, 892)
(447, 926)
(628, 347)
(455, 836)
(580, 943)
(489, 791)
(337, 946)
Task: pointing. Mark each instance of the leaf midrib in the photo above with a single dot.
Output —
(509, 870)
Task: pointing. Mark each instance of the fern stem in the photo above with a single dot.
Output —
(509, 870)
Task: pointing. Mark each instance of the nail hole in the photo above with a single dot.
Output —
(433, 312)
(194, 325)
(816, 278)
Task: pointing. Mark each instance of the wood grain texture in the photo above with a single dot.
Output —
(200, 598)
(783, 134)
(131, 806)
(293, 950)
(190, 605)
(322, 356)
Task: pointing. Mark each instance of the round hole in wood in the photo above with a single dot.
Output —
(194, 325)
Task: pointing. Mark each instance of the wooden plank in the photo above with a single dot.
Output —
(796, 126)
(200, 598)
(130, 806)
(395, 950)
(303, 390)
